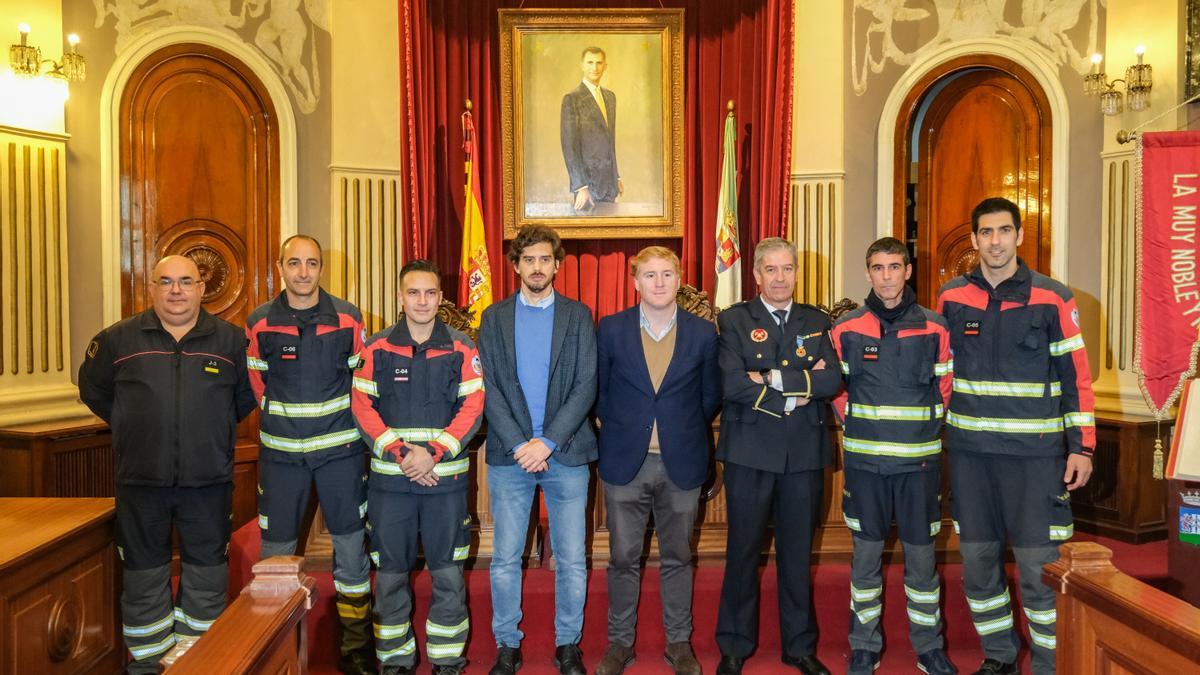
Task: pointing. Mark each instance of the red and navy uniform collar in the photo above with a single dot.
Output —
(1016, 288)
(280, 314)
(438, 339)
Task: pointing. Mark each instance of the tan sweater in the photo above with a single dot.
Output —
(658, 357)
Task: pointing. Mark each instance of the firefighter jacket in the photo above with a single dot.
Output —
(301, 376)
(428, 394)
(1021, 379)
(897, 388)
(173, 407)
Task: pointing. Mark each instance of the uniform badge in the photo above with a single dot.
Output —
(289, 352)
(1075, 317)
(476, 365)
(758, 335)
(212, 367)
(800, 351)
(401, 375)
(971, 328)
(870, 352)
(93, 347)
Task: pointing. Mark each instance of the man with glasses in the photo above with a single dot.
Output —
(303, 352)
(171, 383)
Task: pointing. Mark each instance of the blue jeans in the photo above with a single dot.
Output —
(510, 489)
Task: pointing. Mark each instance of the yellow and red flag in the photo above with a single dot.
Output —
(475, 274)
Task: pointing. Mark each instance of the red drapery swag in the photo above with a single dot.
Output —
(734, 49)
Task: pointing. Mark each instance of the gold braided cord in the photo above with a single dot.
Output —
(1163, 412)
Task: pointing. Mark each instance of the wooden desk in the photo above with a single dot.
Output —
(58, 587)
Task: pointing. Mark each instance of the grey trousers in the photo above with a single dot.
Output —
(628, 507)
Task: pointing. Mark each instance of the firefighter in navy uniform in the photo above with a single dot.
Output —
(304, 347)
(1020, 432)
(418, 399)
(171, 384)
(895, 355)
(778, 372)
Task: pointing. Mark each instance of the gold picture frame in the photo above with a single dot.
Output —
(632, 178)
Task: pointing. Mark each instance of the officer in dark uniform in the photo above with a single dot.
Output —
(171, 383)
(779, 370)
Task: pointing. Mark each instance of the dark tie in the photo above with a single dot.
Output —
(780, 317)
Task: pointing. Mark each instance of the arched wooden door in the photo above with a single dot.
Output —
(200, 177)
(986, 132)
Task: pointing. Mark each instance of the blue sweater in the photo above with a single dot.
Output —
(534, 330)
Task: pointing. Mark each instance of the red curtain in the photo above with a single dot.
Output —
(734, 49)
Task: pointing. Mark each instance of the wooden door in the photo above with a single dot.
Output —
(200, 177)
(987, 133)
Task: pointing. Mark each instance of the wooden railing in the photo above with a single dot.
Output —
(264, 630)
(1109, 622)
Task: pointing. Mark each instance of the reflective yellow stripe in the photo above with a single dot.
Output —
(308, 409)
(352, 589)
(440, 630)
(449, 442)
(352, 612)
(308, 444)
(1045, 617)
(1061, 533)
(385, 631)
(194, 624)
(995, 625)
(255, 364)
(150, 628)
(1011, 425)
(1079, 419)
(444, 650)
(385, 439)
(922, 596)
(845, 368)
(442, 468)
(460, 552)
(852, 523)
(935, 528)
(943, 367)
(1020, 389)
(989, 603)
(922, 618)
(891, 412)
(403, 650)
(366, 386)
(891, 449)
(864, 594)
(1068, 345)
(144, 651)
(353, 361)
(868, 615)
(1041, 639)
(374, 555)
(362, 510)
(470, 387)
(262, 521)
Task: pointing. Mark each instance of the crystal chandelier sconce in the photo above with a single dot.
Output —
(1139, 80)
(26, 60)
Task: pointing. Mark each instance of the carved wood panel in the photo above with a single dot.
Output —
(200, 170)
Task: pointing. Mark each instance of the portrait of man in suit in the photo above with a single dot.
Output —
(588, 132)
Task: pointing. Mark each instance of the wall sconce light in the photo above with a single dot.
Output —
(26, 60)
(1139, 80)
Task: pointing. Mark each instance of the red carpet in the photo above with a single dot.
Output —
(832, 582)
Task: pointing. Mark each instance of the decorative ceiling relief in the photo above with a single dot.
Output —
(1046, 24)
(284, 31)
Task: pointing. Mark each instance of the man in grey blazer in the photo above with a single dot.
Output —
(539, 366)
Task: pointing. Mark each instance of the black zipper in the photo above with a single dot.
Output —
(176, 385)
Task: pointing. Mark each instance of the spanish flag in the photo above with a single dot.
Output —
(475, 274)
(729, 266)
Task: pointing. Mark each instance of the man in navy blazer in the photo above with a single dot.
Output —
(659, 387)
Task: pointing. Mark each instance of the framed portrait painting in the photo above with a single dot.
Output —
(592, 121)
